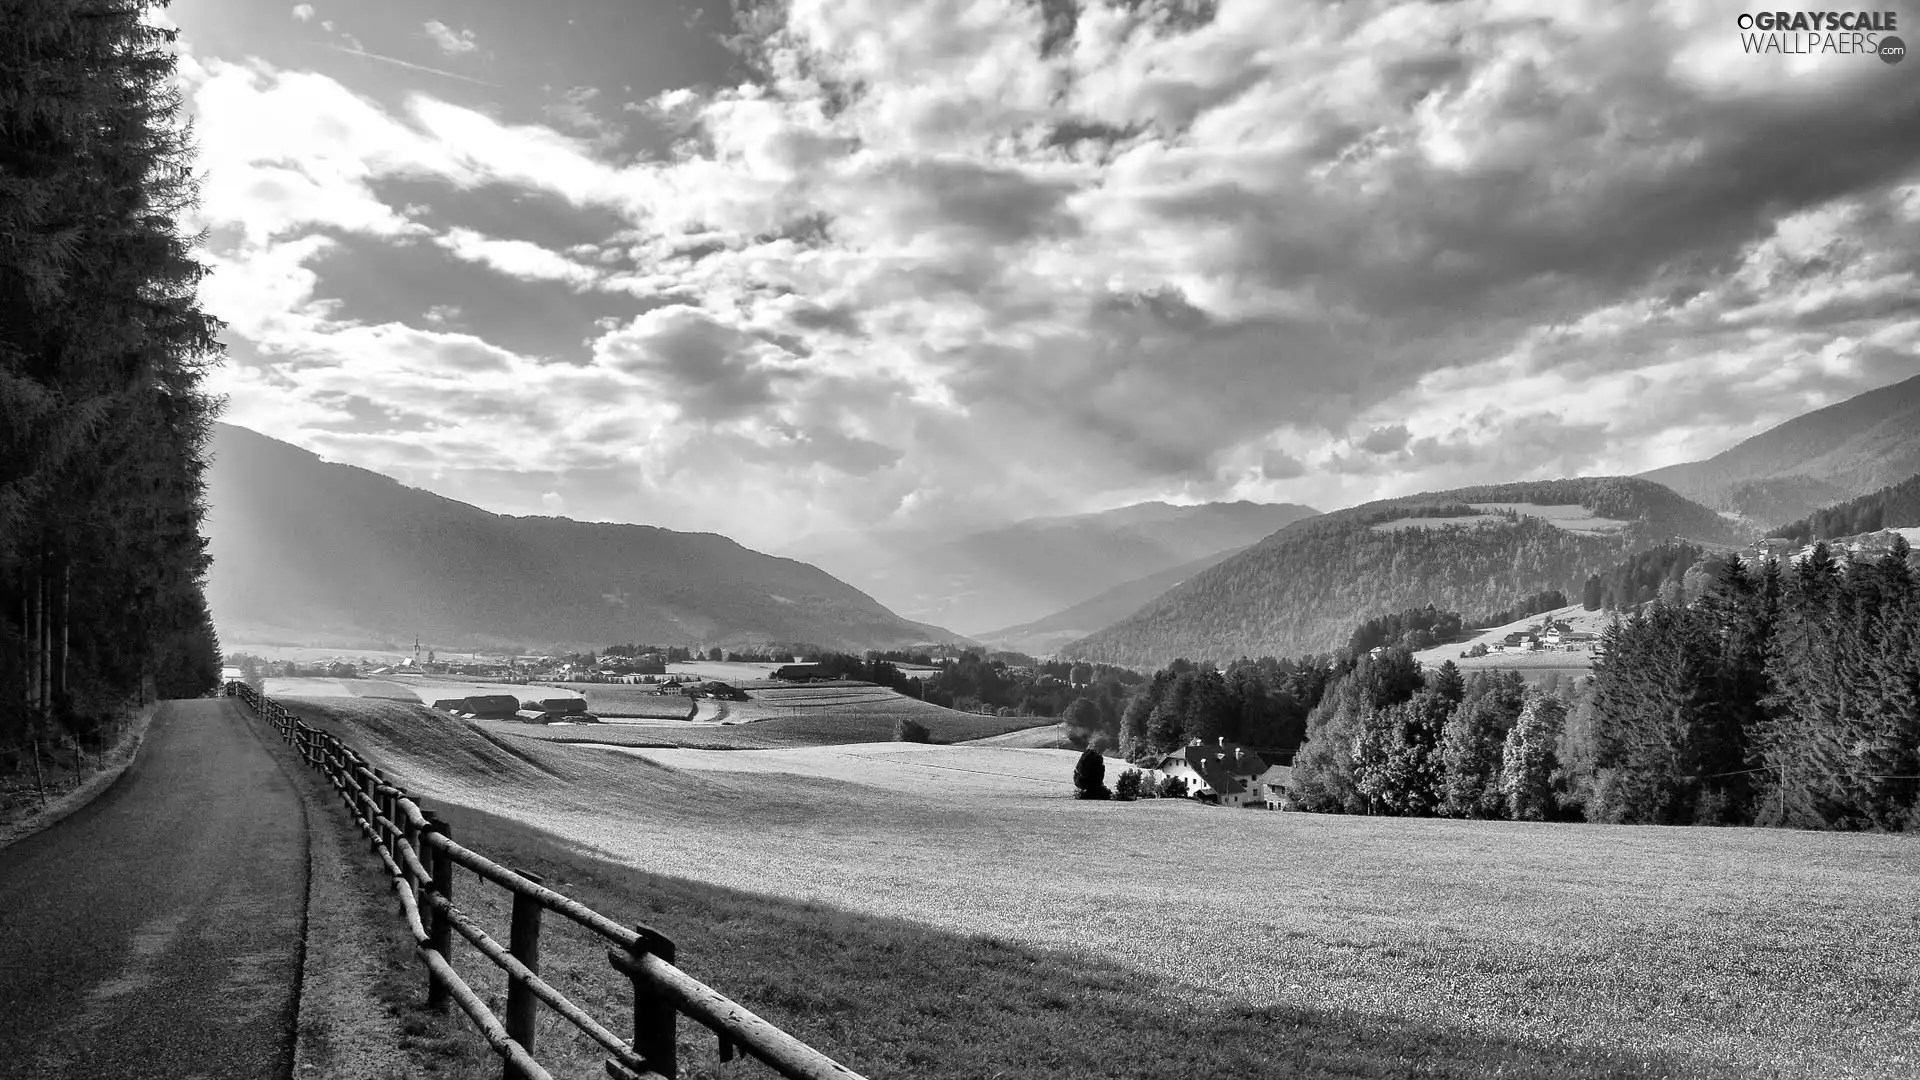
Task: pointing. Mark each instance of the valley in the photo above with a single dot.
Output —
(1017, 540)
(1547, 950)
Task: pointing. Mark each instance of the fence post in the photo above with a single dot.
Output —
(412, 840)
(385, 801)
(439, 927)
(524, 943)
(655, 1031)
(370, 807)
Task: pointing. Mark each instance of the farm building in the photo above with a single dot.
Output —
(1272, 786)
(1232, 774)
(797, 672)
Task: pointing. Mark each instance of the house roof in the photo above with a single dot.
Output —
(1226, 769)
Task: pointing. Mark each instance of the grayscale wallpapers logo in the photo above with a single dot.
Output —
(1814, 33)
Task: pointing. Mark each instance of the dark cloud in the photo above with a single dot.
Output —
(999, 205)
(1386, 440)
(372, 282)
(839, 318)
(713, 371)
(1280, 465)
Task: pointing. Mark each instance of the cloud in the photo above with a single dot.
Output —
(303, 12)
(953, 263)
(574, 112)
(450, 41)
(517, 258)
(683, 355)
(1386, 440)
(1280, 465)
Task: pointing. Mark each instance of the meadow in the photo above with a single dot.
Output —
(801, 716)
(988, 924)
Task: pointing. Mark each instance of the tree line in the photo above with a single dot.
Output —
(1658, 573)
(1896, 506)
(103, 345)
(1782, 695)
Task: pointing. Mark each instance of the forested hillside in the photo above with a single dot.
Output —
(102, 346)
(1474, 549)
(304, 548)
(1894, 507)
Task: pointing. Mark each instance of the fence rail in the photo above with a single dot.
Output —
(419, 853)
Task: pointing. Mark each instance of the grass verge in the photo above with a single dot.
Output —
(37, 795)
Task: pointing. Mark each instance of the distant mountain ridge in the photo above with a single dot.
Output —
(303, 548)
(1013, 574)
(1470, 549)
(1811, 461)
(1048, 635)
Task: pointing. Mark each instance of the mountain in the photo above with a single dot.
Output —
(1018, 573)
(303, 549)
(1787, 472)
(1472, 549)
(1048, 635)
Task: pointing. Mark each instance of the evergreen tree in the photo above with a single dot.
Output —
(1088, 774)
(1812, 705)
(102, 349)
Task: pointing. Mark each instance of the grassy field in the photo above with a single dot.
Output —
(1048, 737)
(776, 716)
(411, 690)
(628, 700)
(1535, 665)
(988, 924)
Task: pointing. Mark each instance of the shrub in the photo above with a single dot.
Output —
(1173, 787)
(1089, 771)
(906, 730)
(1128, 786)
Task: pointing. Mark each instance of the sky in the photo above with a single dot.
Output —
(861, 264)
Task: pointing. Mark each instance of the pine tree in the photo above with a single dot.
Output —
(102, 347)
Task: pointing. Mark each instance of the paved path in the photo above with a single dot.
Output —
(156, 932)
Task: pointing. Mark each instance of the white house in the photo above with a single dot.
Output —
(1231, 774)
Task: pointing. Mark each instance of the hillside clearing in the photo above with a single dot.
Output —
(1556, 950)
(1573, 517)
(1576, 662)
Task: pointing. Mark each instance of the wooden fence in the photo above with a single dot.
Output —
(419, 852)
